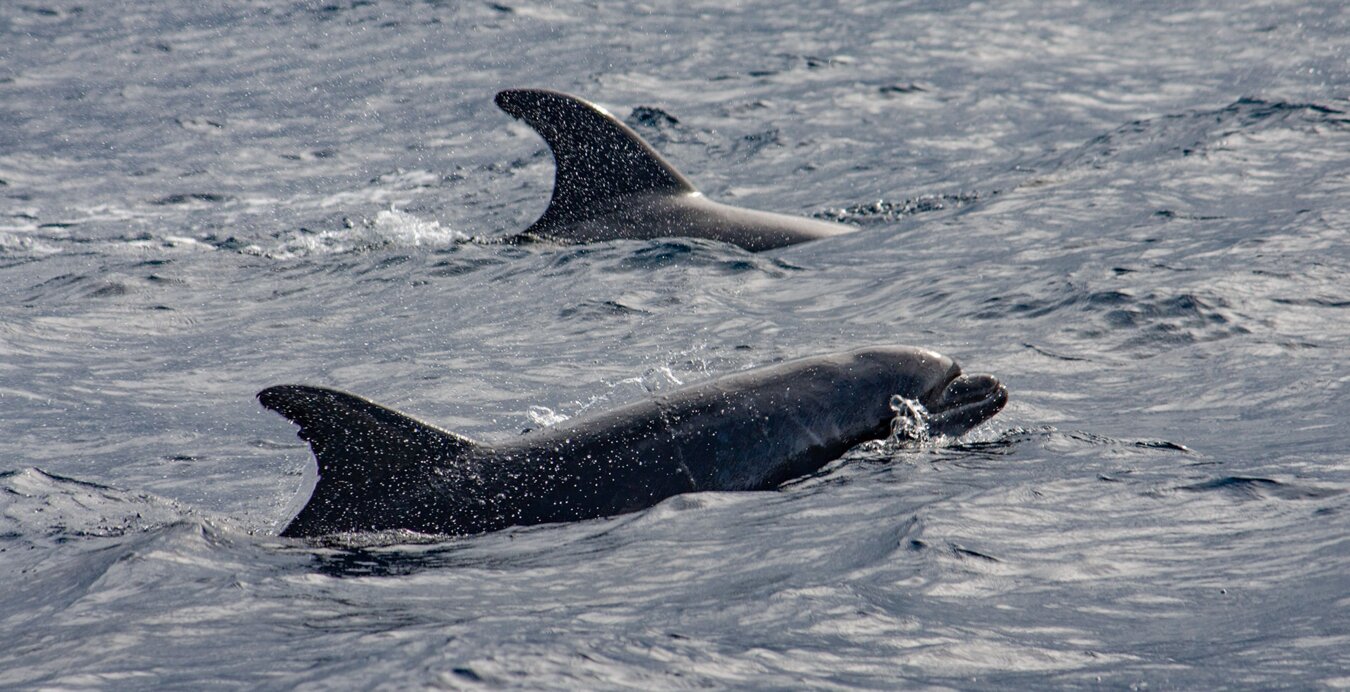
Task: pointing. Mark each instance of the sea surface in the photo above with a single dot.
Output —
(1136, 215)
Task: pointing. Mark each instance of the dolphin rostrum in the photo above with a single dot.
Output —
(610, 184)
(381, 470)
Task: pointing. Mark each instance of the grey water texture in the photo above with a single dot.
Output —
(1135, 215)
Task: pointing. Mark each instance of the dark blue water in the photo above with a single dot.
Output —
(1135, 215)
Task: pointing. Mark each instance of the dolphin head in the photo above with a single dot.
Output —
(955, 402)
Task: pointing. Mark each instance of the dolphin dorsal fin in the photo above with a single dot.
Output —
(598, 158)
(354, 437)
(364, 451)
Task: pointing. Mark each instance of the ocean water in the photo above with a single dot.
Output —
(1135, 215)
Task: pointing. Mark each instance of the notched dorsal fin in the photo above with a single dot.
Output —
(598, 158)
(355, 438)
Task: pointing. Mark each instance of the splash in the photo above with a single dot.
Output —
(390, 228)
(886, 211)
(394, 227)
(911, 421)
(546, 417)
(23, 244)
(651, 381)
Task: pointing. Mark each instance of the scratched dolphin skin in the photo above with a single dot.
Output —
(611, 184)
(381, 470)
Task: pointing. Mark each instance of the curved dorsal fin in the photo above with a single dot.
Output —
(351, 435)
(364, 451)
(598, 158)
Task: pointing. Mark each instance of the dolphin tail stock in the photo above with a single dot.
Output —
(363, 451)
(598, 158)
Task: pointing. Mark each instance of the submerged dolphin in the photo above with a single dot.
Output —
(381, 470)
(611, 184)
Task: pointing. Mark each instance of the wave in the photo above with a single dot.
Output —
(1195, 133)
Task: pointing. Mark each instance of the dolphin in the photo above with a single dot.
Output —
(611, 184)
(381, 470)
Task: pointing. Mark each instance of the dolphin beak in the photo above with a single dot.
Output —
(964, 403)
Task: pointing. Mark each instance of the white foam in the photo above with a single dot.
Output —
(25, 244)
(391, 228)
(546, 417)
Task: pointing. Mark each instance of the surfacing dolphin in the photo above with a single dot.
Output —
(381, 470)
(611, 184)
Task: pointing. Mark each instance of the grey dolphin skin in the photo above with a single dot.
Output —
(381, 470)
(611, 184)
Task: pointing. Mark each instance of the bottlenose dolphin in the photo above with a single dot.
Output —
(382, 470)
(610, 184)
